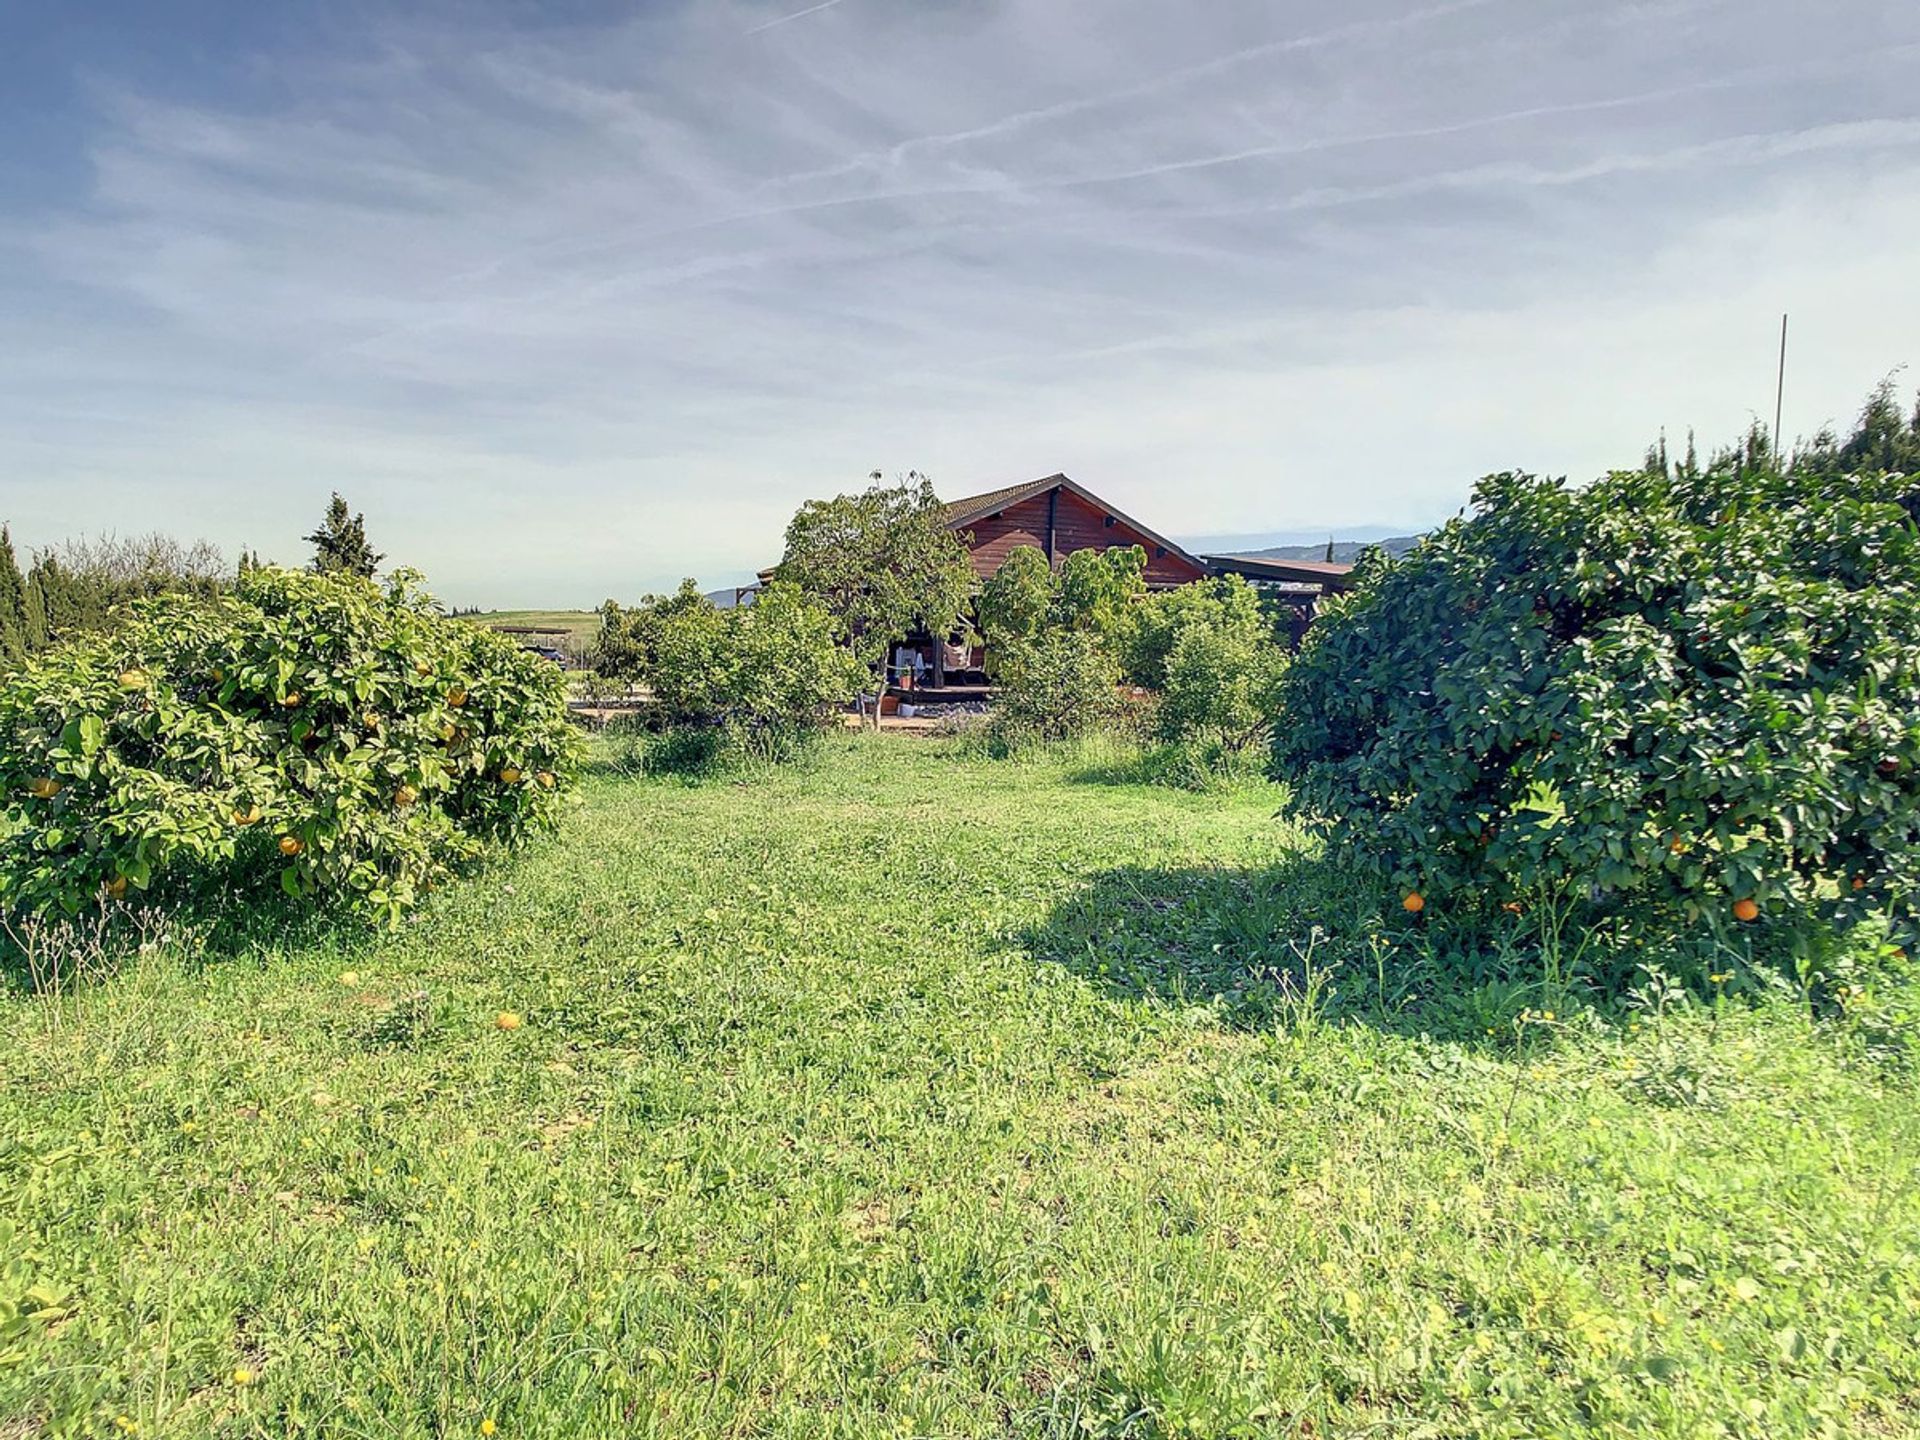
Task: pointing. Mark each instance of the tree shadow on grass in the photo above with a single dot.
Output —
(1301, 942)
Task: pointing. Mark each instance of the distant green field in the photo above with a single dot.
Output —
(580, 625)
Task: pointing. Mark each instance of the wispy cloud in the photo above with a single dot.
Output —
(796, 15)
(573, 310)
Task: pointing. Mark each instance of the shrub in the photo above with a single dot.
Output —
(1682, 693)
(314, 731)
(1092, 591)
(1226, 604)
(630, 635)
(760, 680)
(1222, 683)
(1055, 687)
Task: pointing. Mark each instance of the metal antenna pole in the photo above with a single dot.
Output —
(1779, 389)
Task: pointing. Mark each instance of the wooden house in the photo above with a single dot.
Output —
(1058, 516)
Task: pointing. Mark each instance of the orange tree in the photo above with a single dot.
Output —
(1683, 694)
(317, 733)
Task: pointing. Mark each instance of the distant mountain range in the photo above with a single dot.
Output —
(1345, 552)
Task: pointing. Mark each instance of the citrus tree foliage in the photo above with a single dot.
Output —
(1694, 689)
(1056, 686)
(315, 732)
(629, 635)
(883, 563)
(775, 667)
(340, 543)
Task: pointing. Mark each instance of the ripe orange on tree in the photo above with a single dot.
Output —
(1746, 909)
(290, 845)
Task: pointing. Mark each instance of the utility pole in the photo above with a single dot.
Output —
(1779, 391)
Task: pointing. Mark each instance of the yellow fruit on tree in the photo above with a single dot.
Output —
(456, 697)
(293, 699)
(545, 777)
(247, 816)
(405, 796)
(510, 776)
(117, 886)
(133, 679)
(45, 788)
(290, 845)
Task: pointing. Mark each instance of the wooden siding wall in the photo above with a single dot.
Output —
(1077, 526)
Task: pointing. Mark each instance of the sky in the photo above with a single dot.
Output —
(574, 299)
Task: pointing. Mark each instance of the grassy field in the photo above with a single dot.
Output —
(580, 625)
(917, 1095)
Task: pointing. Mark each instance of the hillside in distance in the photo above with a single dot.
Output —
(1345, 552)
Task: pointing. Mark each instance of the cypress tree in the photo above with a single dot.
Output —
(341, 542)
(13, 604)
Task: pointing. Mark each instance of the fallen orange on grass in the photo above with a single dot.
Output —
(1414, 903)
(1744, 909)
(506, 1020)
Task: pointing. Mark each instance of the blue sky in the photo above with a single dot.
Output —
(574, 299)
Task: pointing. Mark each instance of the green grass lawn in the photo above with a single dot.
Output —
(913, 1094)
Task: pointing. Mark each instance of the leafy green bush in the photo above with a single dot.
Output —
(1054, 687)
(318, 732)
(1222, 683)
(1681, 695)
(1093, 590)
(759, 680)
(1227, 604)
(629, 636)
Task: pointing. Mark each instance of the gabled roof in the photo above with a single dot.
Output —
(961, 513)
